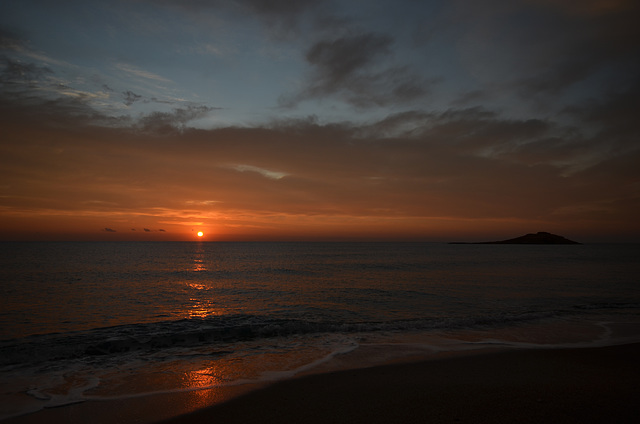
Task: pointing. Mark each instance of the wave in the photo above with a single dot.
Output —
(225, 330)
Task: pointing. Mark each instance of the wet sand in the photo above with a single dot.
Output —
(590, 385)
(594, 385)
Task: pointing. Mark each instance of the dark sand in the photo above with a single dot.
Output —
(592, 385)
(596, 385)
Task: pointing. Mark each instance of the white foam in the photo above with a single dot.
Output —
(341, 345)
(283, 375)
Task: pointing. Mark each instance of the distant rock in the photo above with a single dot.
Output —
(537, 238)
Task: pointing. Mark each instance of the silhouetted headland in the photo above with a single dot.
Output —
(537, 238)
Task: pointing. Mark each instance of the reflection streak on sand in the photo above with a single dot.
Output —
(206, 378)
(210, 385)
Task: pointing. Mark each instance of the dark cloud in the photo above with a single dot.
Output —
(16, 72)
(544, 54)
(63, 112)
(33, 91)
(19, 97)
(615, 110)
(554, 80)
(170, 122)
(338, 60)
(556, 46)
(612, 118)
(471, 97)
(281, 18)
(267, 7)
(28, 88)
(130, 97)
(281, 7)
(146, 230)
(110, 230)
(404, 124)
(11, 41)
(352, 67)
(160, 101)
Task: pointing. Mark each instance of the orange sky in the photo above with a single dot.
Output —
(494, 123)
(305, 181)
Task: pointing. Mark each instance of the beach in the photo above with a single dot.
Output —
(309, 332)
(576, 385)
(593, 385)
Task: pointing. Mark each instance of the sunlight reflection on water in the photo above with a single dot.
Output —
(198, 259)
(200, 306)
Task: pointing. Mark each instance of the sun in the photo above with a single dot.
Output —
(200, 234)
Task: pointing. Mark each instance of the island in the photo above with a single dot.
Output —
(537, 238)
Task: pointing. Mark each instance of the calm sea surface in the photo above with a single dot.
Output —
(83, 321)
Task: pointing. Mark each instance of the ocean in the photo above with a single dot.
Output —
(91, 321)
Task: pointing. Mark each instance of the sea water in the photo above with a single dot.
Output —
(109, 320)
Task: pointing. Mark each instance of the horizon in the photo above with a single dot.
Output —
(168, 238)
(319, 120)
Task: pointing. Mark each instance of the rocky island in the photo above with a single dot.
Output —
(537, 238)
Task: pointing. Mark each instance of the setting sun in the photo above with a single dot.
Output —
(200, 234)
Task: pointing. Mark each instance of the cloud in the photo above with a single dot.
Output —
(461, 164)
(140, 73)
(351, 67)
(300, 20)
(130, 97)
(11, 41)
(169, 122)
(281, 7)
(27, 84)
(339, 60)
(27, 93)
(110, 230)
(15, 72)
(612, 118)
(281, 18)
(588, 7)
(32, 80)
(542, 49)
(572, 162)
(274, 175)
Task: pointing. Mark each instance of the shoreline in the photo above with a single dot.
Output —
(590, 384)
(571, 385)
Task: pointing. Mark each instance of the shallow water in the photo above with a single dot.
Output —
(110, 320)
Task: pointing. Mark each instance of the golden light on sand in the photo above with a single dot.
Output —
(200, 234)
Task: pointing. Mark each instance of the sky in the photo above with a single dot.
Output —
(426, 120)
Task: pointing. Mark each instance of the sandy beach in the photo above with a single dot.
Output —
(594, 385)
(588, 385)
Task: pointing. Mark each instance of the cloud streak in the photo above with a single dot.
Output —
(140, 73)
